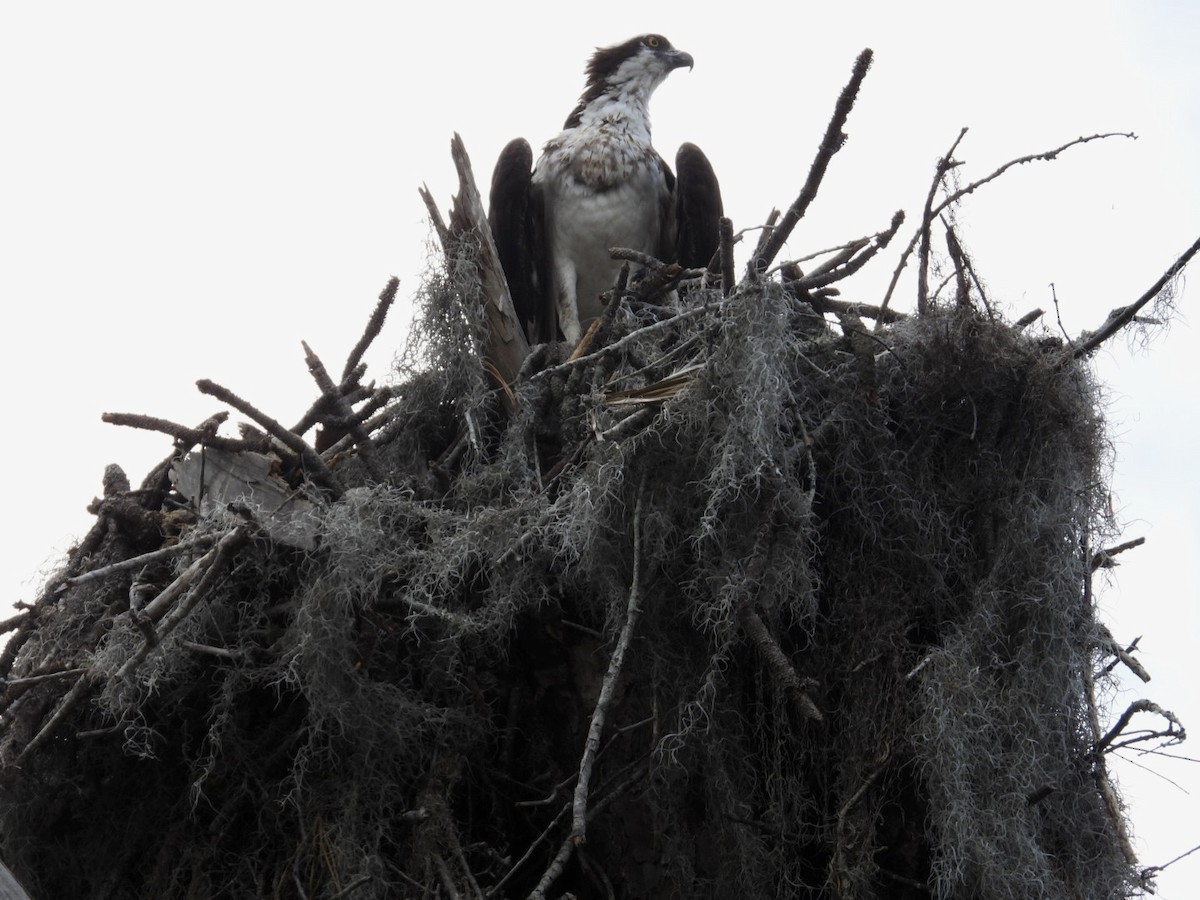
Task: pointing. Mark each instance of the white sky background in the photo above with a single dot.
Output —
(187, 191)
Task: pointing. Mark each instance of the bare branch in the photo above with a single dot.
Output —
(374, 325)
(1104, 558)
(608, 686)
(185, 437)
(1122, 316)
(852, 257)
(933, 211)
(1174, 730)
(779, 664)
(314, 466)
(136, 562)
(831, 143)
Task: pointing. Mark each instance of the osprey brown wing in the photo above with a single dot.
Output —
(514, 217)
(698, 208)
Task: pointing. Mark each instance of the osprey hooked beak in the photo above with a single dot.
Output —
(679, 59)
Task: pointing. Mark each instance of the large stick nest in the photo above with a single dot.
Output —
(749, 599)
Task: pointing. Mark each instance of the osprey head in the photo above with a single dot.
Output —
(639, 65)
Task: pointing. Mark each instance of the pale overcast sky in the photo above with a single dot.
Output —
(188, 191)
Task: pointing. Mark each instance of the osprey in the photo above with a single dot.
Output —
(599, 184)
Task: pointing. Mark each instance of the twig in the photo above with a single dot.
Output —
(862, 789)
(838, 307)
(459, 621)
(537, 842)
(314, 466)
(830, 144)
(1133, 709)
(1122, 316)
(839, 863)
(471, 236)
(207, 650)
(627, 425)
(1125, 655)
(556, 867)
(157, 608)
(1150, 871)
(462, 861)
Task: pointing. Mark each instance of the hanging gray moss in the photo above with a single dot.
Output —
(906, 520)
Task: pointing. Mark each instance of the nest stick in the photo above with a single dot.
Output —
(1103, 559)
(1100, 767)
(537, 842)
(219, 559)
(768, 227)
(1133, 709)
(694, 312)
(30, 680)
(608, 686)
(778, 662)
(853, 257)
(725, 251)
(13, 622)
(185, 436)
(579, 802)
(944, 165)
(157, 608)
(135, 562)
(342, 408)
(830, 144)
(374, 325)
(314, 466)
(1122, 316)
(65, 706)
